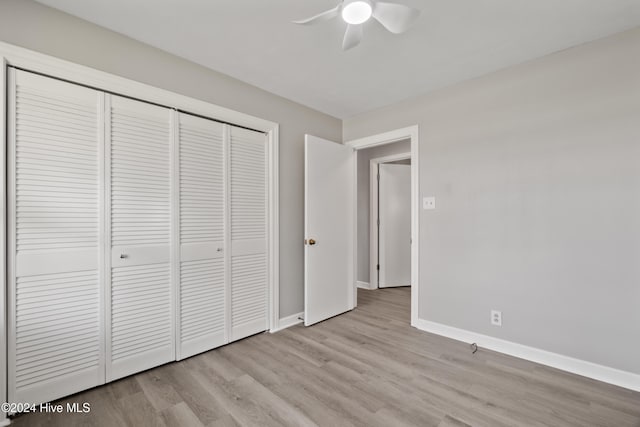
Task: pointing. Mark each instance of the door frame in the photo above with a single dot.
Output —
(11, 55)
(374, 213)
(411, 133)
(4, 421)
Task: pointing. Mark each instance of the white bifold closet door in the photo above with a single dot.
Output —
(202, 293)
(56, 276)
(137, 236)
(248, 211)
(141, 327)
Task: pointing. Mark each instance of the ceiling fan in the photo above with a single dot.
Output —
(396, 18)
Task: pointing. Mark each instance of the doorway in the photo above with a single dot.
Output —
(406, 140)
(389, 160)
(331, 232)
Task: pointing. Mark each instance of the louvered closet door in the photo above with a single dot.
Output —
(55, 322)
(202, 262)
(141, 324)
(249, 272)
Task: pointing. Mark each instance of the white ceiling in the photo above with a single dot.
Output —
(453, 40)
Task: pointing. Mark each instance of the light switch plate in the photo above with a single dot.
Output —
(428, 203)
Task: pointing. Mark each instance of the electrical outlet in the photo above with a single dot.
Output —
(496, 318)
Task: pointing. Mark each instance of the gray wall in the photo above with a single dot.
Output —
(37, 27)
(364, 199)
(536, 170)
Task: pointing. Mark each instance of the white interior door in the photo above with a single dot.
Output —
(329, 229)
(249, 273)
(202, 291)
(56, 278)
(395, 225)
(141, 333)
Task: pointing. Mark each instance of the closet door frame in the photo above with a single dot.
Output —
(19, 57)
(3, 237)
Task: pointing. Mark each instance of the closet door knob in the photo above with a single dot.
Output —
(219, 250)
(123, 256)
(312, 242)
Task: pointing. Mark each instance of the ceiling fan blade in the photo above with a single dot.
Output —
(396, 18)
(352, 37)
(324, 16)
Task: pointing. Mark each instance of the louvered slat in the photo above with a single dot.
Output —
(37, 193)
(202, 304)
(202, 270)
(141, 291)
(140, 323)
(55, 323)
(140, 173)
(249, 273)
(42, 344)
(249, 290)
(201, 181)
(248, 185)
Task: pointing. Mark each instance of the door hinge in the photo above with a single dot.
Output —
(378, 177)
(378, 267)
(378, 222)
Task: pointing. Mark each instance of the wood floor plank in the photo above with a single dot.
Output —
(158, 389)
(367, 367)
(138, 411)
(226, 421)
(449, 421)
(180, 415)
(197, 397)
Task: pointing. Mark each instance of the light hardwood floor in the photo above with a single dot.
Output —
(364, 368)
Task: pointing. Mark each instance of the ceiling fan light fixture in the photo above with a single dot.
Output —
(396, 18)
(356, 12)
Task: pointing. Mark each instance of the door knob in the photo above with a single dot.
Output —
(123, 256)
(312, 242)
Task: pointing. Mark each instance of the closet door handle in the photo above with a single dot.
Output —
(124, 256)
(219, 250)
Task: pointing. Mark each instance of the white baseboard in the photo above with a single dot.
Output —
(288, 321)
(5, 422)
(363, 285)
(602, 373)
